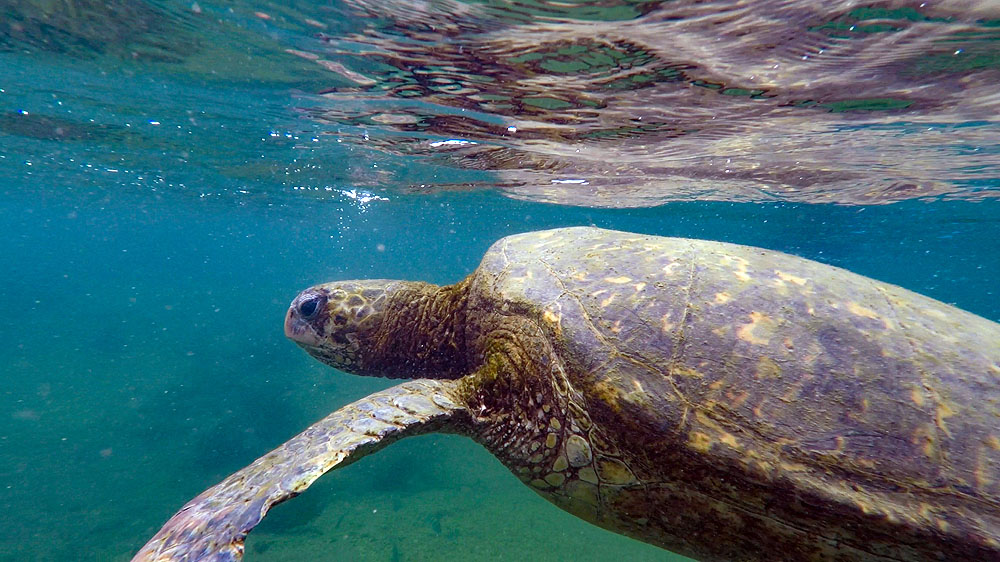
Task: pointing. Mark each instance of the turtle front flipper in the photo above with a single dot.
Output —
(213, 526)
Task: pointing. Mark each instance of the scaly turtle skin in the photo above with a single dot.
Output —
(720, 401)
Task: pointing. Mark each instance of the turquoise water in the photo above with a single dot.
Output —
(166, 192)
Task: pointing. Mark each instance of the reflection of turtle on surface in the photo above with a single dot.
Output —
(724, 402)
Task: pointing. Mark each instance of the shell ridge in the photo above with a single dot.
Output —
(583, 309)
(925, 377)
(678, 339)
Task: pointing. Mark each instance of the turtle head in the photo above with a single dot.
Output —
(334, 321)
(378, 327)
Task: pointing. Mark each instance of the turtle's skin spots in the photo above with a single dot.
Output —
(370, 327)
(537, 425)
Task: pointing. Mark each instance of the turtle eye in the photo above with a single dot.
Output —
(308, 307)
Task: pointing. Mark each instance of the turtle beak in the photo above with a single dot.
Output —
(298, 327)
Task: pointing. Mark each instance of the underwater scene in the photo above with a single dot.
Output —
(173, 173)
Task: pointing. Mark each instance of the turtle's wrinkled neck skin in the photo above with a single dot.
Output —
(383, 328)
(512, 383)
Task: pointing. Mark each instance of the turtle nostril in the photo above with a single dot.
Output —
(308, 307)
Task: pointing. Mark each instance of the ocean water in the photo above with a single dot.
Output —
(173, 173)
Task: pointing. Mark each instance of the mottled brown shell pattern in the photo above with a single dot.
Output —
(780, 391)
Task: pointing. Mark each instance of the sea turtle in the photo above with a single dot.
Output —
(721, 401)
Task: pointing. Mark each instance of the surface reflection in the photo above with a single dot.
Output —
(594, 103)
(638, 103)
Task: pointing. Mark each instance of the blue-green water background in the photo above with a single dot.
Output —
(146, 270)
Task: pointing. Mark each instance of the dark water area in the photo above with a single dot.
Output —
(172, 174)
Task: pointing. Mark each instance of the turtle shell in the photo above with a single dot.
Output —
(759, 398)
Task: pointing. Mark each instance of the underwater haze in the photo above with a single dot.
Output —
(172, 174)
